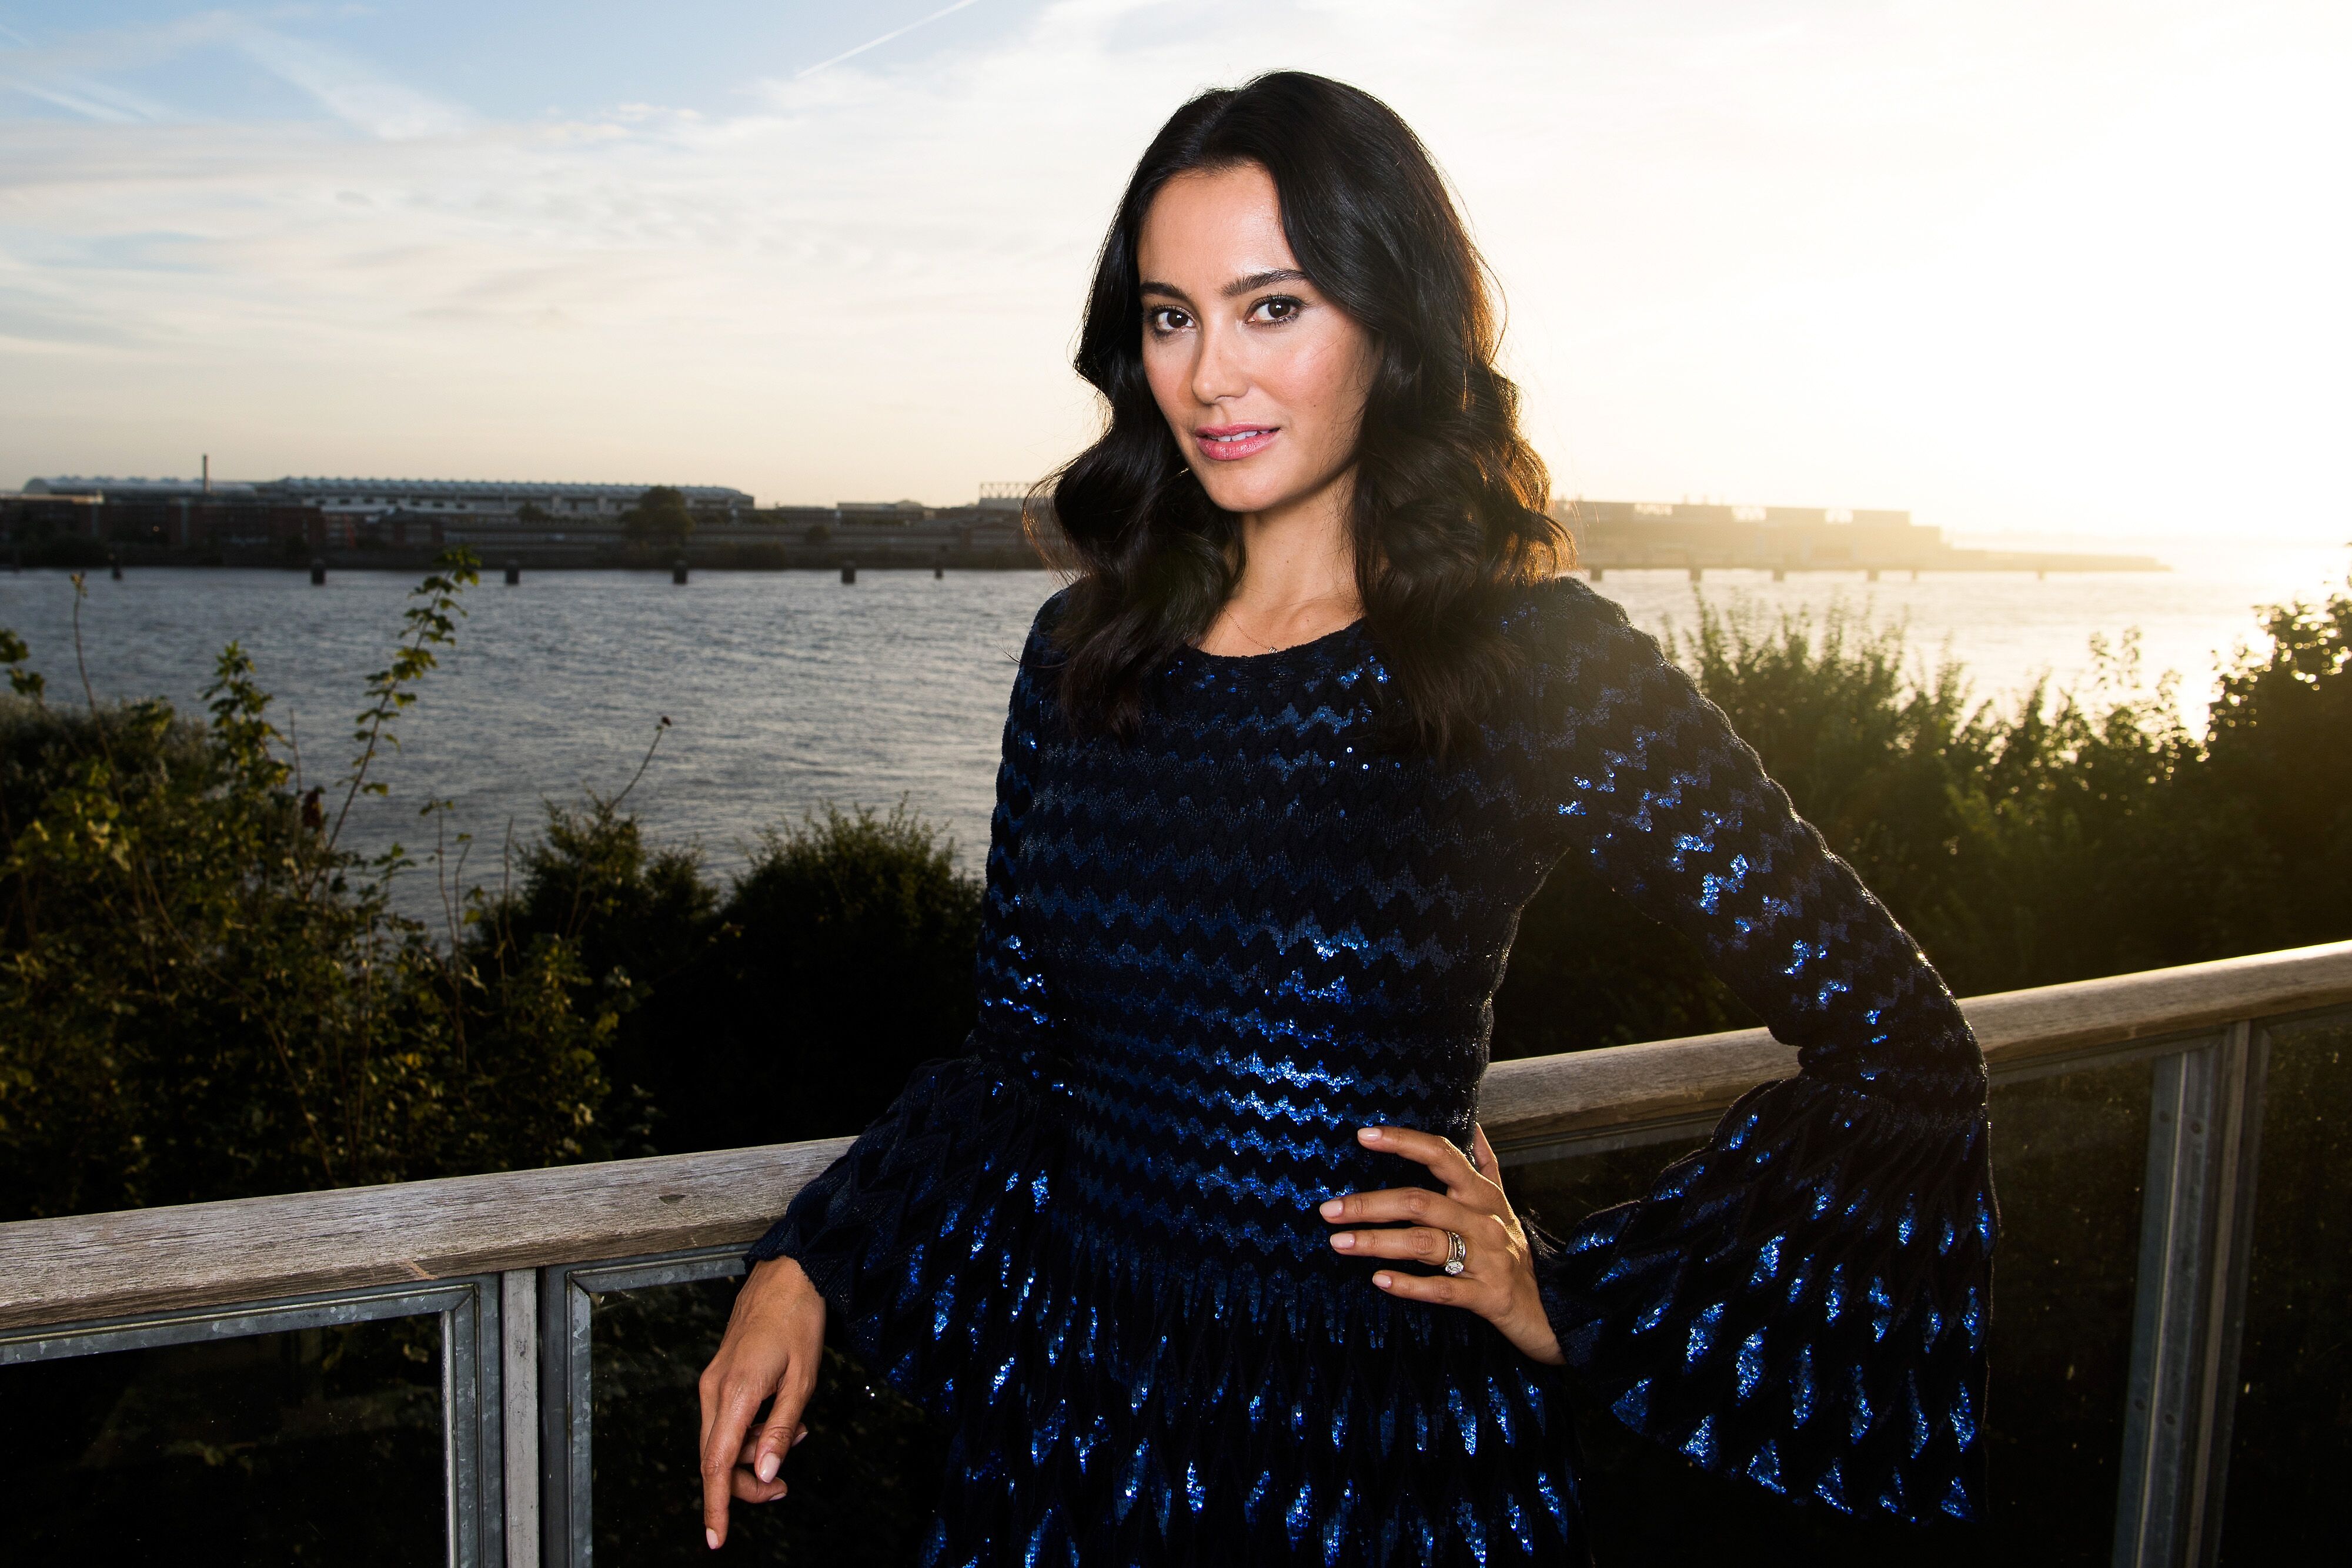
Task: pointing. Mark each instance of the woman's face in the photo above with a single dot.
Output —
(1262, 379)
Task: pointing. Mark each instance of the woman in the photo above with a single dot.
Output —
(1200, 1250)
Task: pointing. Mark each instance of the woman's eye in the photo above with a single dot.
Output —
(1280, 309)
(1167, 319)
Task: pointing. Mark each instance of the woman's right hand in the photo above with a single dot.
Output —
(773, 1342)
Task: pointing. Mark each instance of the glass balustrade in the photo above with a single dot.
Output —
(318, 1445)
(2290, 1439)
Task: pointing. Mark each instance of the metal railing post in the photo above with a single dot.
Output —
(519, 1424)
(2204, 1128)
(2241, 1158)
(566, 1464)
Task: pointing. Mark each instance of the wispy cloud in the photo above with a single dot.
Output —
(891, 37)
(351, 90)
(74, 76)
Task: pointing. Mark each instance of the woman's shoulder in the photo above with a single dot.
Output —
(1562, 626)
(1042, 649)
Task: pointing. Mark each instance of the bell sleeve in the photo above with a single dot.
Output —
(1804, 1301)
(936, 1207)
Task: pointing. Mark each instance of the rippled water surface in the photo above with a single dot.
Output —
(789, 689)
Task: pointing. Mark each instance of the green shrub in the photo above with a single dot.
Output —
(2056, 838)
(208, 997)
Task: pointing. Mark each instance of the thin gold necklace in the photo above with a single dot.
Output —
(1245, 631)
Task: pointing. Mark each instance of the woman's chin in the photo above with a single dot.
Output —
(1248, 493)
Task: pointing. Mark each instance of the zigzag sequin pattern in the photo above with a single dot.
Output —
(1211, 951)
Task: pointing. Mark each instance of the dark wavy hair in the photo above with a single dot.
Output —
(1449, 497)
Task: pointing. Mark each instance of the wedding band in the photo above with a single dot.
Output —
(1457, 1252)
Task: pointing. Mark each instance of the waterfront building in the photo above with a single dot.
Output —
(494, 502)
(1696, 536)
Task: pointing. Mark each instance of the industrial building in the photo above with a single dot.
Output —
(1694, 536)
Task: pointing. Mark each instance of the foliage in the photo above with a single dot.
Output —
(209, 996)
(791, 1006)
(2280, 753)
(2061, 837)
(660, 518)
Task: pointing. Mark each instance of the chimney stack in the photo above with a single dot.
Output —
(208, 473)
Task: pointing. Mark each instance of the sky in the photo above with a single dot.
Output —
(2056, 267)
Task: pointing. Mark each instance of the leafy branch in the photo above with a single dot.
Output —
(432, 621)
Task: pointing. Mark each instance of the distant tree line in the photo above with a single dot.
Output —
(206, 994)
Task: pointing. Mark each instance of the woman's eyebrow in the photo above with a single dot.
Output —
(1239, 286)
(1260, 279)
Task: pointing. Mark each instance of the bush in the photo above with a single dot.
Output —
(2060, 837)
(793, 1007)
(208, 997)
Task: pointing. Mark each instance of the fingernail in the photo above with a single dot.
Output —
(1382, 1281)
(799, 1436)
(1344, 1240)
(768, 1466)
(711, 1536)
(1370, 1134)
(1331, 1209)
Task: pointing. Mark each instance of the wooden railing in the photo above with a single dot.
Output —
(510, 1261)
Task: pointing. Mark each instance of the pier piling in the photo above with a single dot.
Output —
(1780, 574)
(318, 571)
(514, 571)
(115, 563)
(1870, 576)
(1597, 574)
(1697, 573)
(849, 571)
(677, 570)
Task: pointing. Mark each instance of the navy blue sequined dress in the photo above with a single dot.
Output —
(1212, 952)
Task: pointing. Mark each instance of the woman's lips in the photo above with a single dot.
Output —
(1232, 443)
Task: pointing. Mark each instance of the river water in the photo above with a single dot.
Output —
(788, 689)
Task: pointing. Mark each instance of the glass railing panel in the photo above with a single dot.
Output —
(2291, 1433)
(318, 1445)
(2069, 1158)
(862, 1484)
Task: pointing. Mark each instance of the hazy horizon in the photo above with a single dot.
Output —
(2023, 270)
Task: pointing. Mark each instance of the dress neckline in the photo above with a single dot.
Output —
(1272, 655)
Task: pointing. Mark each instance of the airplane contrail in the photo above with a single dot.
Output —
(877, 43)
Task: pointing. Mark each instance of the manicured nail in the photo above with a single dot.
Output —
(1370, 1134)
(1344, 1240)
(1382, 1280)
(1331, 1209)
(799, 1436)
(769, 1463)
(712, 1537)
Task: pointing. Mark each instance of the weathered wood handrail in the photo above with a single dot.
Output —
(101, 1266)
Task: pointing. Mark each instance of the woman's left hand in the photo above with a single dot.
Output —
(1498, 1277)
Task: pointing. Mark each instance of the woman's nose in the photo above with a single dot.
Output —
(1218, 371)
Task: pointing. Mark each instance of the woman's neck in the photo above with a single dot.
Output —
(1298, 576)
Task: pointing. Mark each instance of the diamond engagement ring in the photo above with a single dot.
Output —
(1457, 1252)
